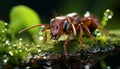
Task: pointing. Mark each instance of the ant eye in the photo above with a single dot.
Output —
(56, 27)
(66, 25)
(51, 21)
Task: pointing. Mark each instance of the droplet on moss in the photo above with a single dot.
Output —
(11, 53)
(41, 38)
(7, 42)
(108, 13)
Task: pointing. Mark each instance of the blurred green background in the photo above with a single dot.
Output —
(21, 14)
(48, 8)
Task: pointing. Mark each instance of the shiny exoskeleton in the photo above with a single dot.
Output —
(71, 24)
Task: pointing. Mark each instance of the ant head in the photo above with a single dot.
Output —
(57, 27)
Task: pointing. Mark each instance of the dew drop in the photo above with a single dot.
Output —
(87, 67)
(11, 53)
(44, 57)
(20, 43)
(98, 34)
(20, 50)
(87, 14)
(108, 67)
(26, 49)
(39, 50)
(41, 38)
(27, 67)
(14, 45)
(108, 13)
(38, 45)
(7, 42)
(5, 60)
(3, 31)
(20, 39)
(6, 24)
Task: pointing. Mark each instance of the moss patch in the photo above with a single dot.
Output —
(113, 38)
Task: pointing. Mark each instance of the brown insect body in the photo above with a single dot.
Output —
(91, 21)
(71, 24)
(64, 24)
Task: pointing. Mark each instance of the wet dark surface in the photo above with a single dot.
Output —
(80, 60)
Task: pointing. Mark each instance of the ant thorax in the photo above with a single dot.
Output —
(71, 14)
(60, 17)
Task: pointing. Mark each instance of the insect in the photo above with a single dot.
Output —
(71, 24)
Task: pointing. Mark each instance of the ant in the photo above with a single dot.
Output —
(71, 24)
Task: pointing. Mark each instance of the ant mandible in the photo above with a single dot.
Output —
(71, 24)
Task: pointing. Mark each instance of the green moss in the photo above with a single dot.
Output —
(113, 38)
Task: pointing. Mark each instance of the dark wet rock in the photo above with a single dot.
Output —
(79, 60)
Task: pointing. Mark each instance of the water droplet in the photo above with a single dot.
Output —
(26, 49)
(39, 50)
(98, 34)
(5, 60)
(27, 45)
(87, 14)
(27, 67)
(11, 53)
(20, 39)
(7, 42)
(87, 67)
(6, 24)
(41, 38)
(44, 57)
(14, 45)
(3, 31)
(38, 45)
(108, 67)
(20, 50)
(108, 13)
(20, 43)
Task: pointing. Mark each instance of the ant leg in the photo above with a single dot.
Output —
(45, 37)
(65, 44)
(88, 31)
(46, 31)
(80, 37)
(74, 30)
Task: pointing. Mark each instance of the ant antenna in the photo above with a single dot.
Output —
(29, 28)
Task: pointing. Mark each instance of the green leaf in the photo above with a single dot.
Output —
(2, 25)
(22, 17)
